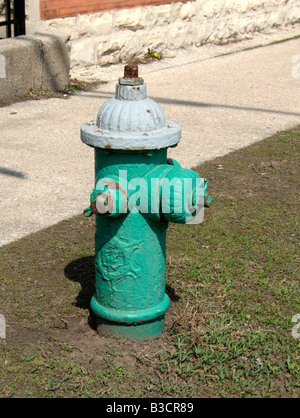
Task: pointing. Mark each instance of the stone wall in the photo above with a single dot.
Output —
(117, 35)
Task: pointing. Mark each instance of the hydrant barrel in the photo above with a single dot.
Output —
(130, 297)
(130, 137)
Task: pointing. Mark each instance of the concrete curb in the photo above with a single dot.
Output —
(30, 62)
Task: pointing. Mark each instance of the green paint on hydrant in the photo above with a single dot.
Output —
(137, 192)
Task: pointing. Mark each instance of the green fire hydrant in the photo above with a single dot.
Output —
(138, 190)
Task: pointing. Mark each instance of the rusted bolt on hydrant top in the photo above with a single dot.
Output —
(131, 71)
(138, 190)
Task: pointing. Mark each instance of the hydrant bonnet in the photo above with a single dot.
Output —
(131, 121)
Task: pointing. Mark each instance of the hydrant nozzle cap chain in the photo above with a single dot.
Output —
(131, 121)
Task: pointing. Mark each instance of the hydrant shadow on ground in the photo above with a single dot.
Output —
(137, 192)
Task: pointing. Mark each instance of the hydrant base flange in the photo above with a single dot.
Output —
(130, 317)
(134, 332)
(140, 325)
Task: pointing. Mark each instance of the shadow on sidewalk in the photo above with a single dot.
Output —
(163, 100)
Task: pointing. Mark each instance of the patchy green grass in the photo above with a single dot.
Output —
(233, 40)
(233, 283)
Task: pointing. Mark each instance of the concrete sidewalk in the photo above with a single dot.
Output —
(222, 104)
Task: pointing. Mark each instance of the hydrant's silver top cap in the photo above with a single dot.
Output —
(130, 120)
